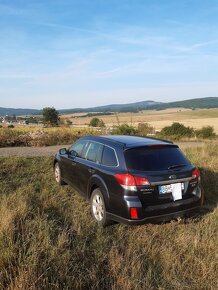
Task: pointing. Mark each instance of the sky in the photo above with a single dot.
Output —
(84, 53)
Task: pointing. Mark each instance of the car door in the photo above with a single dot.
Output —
(70, 162)
(89, 165)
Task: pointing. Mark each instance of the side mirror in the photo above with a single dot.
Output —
(63, 151)
(73, 153)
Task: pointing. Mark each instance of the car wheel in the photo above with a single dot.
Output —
(98, 208)
(57, 172)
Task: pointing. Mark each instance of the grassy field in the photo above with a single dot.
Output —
(49, 241)
(159, 119)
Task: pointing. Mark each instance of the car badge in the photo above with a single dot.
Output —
(172, 177)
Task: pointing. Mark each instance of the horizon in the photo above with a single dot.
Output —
(109, 104)
(80, 54)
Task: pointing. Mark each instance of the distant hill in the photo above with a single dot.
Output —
(210, 102)
(201, 103)
(130, 107)
(108, 108)
(18, 112)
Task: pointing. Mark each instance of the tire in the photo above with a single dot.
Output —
(98, 208)
(57, 172)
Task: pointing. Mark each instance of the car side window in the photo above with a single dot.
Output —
(84, 151)
(93, 152)
(109, 157)
(99, 154)
(78, 148)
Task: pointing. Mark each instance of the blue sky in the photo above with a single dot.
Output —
(81, 53)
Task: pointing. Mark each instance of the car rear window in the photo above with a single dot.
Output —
(153, 159)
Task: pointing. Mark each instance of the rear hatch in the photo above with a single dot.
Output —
(168, 172)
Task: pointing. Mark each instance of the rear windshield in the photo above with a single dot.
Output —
(152, 159)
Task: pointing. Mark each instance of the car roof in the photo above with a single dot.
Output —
(128, 141)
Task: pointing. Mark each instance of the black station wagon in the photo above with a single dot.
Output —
(130, 179)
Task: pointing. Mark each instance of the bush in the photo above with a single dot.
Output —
(96, 122)
(11, 126)
(124, 129)
(205, 132)
(145, 129)
(177, 130)
(50, 116)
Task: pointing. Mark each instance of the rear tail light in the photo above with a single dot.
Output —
(195, 173)
(125, 179)
(133, 213)
(130, 182)
(141, 181)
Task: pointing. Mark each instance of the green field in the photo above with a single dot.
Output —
(49, 241)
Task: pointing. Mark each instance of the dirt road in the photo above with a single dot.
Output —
(31, 151)
(51, 150)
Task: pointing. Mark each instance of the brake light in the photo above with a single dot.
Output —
(141, 181)
(133, 213)
(125, 179)
(195, 173)
(130, 182)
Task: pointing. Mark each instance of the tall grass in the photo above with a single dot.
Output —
(49, 241)
(35, 136)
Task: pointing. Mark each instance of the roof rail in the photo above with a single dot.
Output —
(122, 143)
(105, 138)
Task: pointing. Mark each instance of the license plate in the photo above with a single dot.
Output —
(163, 189)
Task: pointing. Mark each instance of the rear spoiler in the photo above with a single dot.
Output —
(150, 146)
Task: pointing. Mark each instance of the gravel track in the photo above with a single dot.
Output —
(30, 151)
(51, 150)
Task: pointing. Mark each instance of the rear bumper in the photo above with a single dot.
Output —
(153, 219)
(159, 212)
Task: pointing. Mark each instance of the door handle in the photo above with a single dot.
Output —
(73, 163)
(91, 170)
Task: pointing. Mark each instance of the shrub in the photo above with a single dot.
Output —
(50, 116)
(124, 129)
(96, 122)
(177, 130)
(205, 132)
(145, 129)
(11, 126)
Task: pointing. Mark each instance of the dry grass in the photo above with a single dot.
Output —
(160, 119)
(38, 136)
(49, 241)
(35, 136)
(194, 123)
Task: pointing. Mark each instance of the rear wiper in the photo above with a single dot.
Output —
(176, 166)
